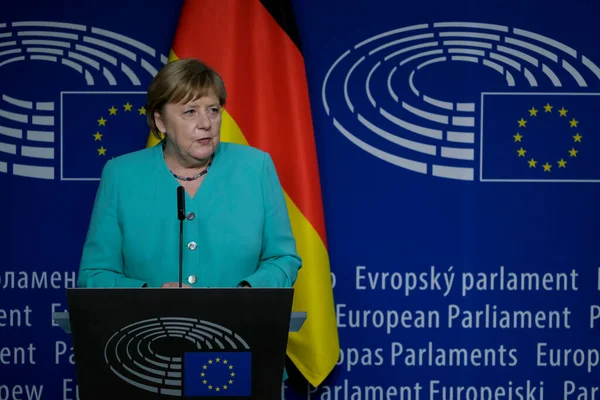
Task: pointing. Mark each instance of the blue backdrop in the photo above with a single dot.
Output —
(457, 149)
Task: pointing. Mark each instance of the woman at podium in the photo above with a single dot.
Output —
(236, 229)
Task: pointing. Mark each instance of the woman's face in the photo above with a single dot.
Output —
(194, 128)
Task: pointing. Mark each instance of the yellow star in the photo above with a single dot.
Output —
(204, 381)
(204, 367)
(533, 112)
(522, 123)
(225, 387)
(518, 137)
(548, 107)
(224, 361)
(230, 381)
(547, 167)
(532, 163)
(231, 367)
(209, 387)
(202, 374)
(101, 122)
(573, 152)
(112, 110)
(142, 110)
(563, 112)
(210, 361)
(98, 136)
(577, 137)
(218, 359)
(127, 106)
(521, 152)
(218, 389)
(101, 151)
(233, 374)
(573, 123)
(562, 163)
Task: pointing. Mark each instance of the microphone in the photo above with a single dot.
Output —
(181, 217)
(180, 203)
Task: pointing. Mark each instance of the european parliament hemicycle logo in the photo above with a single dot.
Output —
(72, 134)
(148, 355)
(538, 124)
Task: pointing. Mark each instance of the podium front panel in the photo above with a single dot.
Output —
(168, 343)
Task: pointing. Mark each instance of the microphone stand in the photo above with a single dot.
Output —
(181, 217)
(180, 251)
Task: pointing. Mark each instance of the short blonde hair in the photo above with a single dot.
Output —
(182, 80)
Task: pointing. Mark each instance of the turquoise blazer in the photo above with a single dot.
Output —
(237, 227)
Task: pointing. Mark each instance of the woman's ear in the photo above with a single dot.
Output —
(160, 123)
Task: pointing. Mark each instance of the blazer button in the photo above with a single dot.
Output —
(192, 246)
(190, 216)
(192, 279)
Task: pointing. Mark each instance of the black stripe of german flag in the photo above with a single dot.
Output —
(282, 12)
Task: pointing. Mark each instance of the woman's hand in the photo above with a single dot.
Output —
(174, 285)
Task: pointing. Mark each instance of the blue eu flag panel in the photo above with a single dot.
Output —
(535, 137)
(458, 146)
(217, 374)
(95, 129)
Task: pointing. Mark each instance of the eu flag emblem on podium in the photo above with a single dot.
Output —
(98, 126)
(540, 137)
(217, 374)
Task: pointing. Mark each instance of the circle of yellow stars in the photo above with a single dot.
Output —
(533, 113)
(102, 122)
(224, 363)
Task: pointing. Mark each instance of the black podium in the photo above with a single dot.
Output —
(166, 343)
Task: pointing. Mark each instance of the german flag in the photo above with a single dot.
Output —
(255, 47)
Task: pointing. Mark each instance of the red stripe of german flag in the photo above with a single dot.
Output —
(255, 47)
